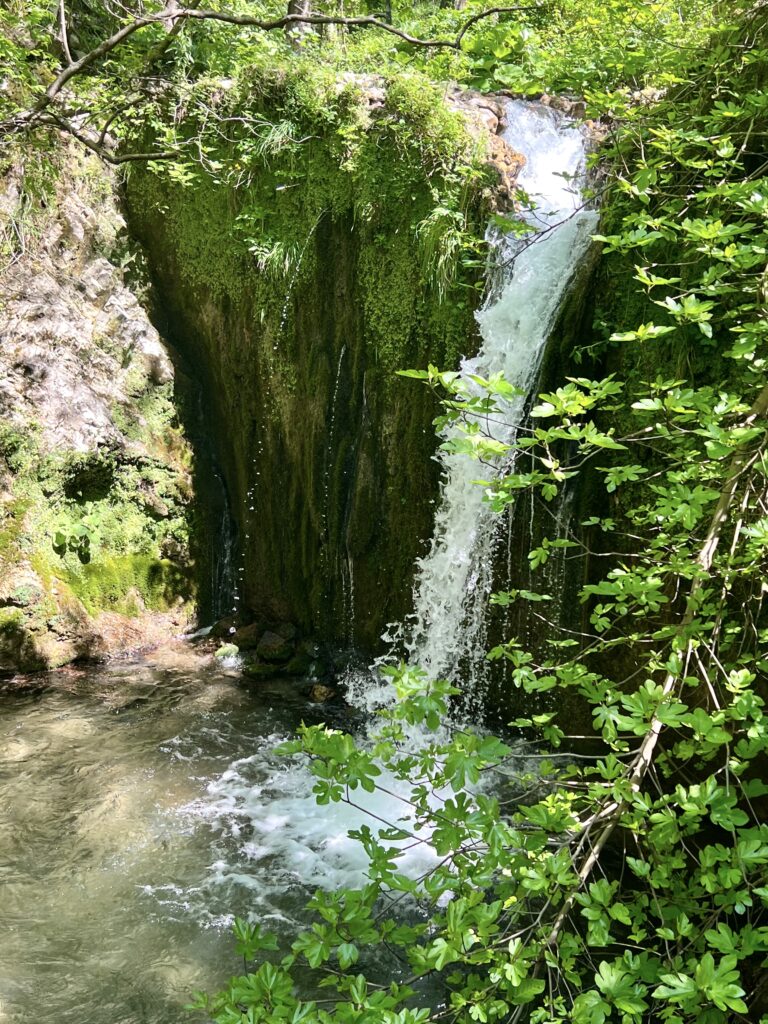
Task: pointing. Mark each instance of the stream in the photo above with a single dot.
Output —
(141, 806)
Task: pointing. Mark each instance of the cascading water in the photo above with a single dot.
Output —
(530, 277)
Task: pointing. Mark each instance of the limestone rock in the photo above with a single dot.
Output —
(485, 118)
(321, 694)
(82, 373)
(72, 336)
(247, 637)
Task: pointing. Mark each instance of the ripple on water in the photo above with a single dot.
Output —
(110, 900)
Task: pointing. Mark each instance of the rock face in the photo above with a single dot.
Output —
(94, 468)
(326, 453)
(74, 348)
(485, 117)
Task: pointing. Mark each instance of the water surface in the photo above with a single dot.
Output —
(125, 841)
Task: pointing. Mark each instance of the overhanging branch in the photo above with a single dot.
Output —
(193, 13)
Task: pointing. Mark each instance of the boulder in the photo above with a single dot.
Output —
(247, 637)
(259, 670)
(321, 694)
(274, 648)
(300, 665)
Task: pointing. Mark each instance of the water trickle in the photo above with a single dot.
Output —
(328, 464)
(224, 581)
(529, 278)
(294, 277)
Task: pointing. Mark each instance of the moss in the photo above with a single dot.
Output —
(296, 284)
(117, 512)
(129, 584)
(10, 619)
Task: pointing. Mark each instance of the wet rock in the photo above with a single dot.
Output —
(286, 630)
(259, 670)
(274, 648)
(300, 665)
(321, 694)
(247, 637)
(485, 119)
(227, 651)
(227, 627)
(309, 646)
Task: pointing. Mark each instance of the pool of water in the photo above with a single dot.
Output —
(141, 806)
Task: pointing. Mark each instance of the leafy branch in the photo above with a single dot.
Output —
(38, 113)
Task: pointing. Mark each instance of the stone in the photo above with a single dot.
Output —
(485, 119)
(309, 646)
(227, 651)
(286, 630)
(300, 665)
(226, 627)
(259, 670)
(275, 648)
(247, 637)
(321, 694)
(97, 279)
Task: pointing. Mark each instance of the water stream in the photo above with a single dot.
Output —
(530, 275)
(141, 806)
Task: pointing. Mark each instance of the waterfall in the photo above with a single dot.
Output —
(529, 277)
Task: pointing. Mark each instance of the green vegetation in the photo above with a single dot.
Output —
(98, 531)
(624, 878)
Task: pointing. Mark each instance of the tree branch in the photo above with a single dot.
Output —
(100, 145)
(64, 33)
(248, 21)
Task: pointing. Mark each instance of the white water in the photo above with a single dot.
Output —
(533, 272)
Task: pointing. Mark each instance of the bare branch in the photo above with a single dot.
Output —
(64, 33)
(100, 146)
(248, 21)
(36, 114)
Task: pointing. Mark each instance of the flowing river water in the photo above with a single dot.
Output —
(141, 805)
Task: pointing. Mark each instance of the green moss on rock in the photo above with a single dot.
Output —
(293, 274)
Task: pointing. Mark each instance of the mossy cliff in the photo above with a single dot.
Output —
(331, 241)
(95, 471)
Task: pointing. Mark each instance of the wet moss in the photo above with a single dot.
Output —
(129, 584)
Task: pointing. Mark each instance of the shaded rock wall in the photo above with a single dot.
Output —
(326, 453)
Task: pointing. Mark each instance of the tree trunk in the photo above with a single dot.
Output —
(298, 30)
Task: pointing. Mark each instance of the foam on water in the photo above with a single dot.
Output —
(265, 813)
